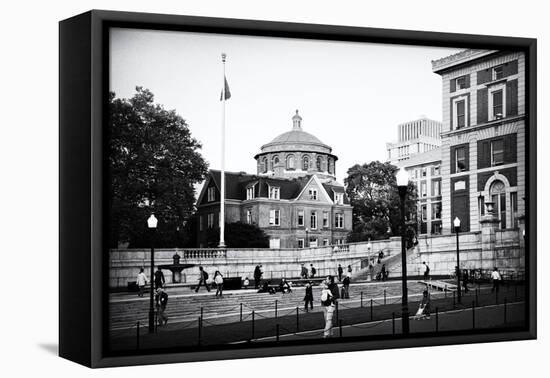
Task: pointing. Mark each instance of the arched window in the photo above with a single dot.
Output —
(305, 163)
(263, 165)
(498, 197)
(318, 163)
(274, 161)
(290, 162)
(330, 166)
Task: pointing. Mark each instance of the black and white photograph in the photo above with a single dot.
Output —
(268, 191)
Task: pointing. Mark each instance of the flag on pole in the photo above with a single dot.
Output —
(227, 91)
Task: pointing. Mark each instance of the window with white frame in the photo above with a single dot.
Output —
(275, 243)
(497, 105)
(274, 217)
(290, 162)
(313, 220)
(498, 72)
(424, 213)
(210, 220)
(460, 112)
(249, 216)
(339, 220)
(274, 192)
(436, 210)
(423, 189)
(339, 198)
(211, 194)
(497, 152)
(250, 193)
(325, 218)
(300, 243)
(461, 82)
(313, 194)
(313, 242)
(460, 159)
(325, 242)
(300, 217)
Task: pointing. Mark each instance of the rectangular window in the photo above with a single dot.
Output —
(436, 187)
(211, 194)
(211, 220)
(497, 152)
(339, 220)
(423, 189)
(338, 198)
(424, 172)
(313, 220)
(325, 218)
(274, 243)
(460, 159)
(313, 194)
(300, 243)
(436, 171)
(436, 228)
(274, 192)
(436, 210)
(461, 82)
(313, 242)
(481, 206)
(300, 217)
(325, 242)
(250, 193)
(424, 213)
(497, 111)
(514, 206)
(460, 107)
(274, 217)
(201, 223)
(498, 72)
(249, 216)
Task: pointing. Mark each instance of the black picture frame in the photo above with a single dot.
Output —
(83, 85)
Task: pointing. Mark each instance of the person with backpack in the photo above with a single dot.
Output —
(328, 310)
(161, 300)
(308, 298)
(313, 271)
(218, 280)
(203, 276)
(426, 271)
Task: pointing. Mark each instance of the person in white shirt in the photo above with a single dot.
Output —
(327, 303)
(141, 281)
(218, 280)
(496, 277)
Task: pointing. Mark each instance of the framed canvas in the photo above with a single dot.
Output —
(234, 188)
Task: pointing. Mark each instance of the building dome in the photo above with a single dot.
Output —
(296, 153)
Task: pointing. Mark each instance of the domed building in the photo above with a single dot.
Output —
(296, 153)
(294, 196)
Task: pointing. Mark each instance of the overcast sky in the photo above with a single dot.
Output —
(351, 96)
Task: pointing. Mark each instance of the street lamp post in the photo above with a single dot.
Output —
(402, 184)
(456, 223)
(152, 225)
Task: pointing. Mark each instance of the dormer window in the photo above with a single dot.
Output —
(211, 194)
(313, 194)
(250, 193)
(339, 198)
(274, 192)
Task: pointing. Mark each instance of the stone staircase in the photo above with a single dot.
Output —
(393, 266)
(185, 306)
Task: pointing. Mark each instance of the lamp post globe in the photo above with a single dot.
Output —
(152, 222)
(402, 179)
(456, 224)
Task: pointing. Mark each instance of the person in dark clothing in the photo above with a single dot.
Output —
(303, 272)
(203, 276)
(384, 273)
(313, 271)
(465, 279)
(308, 298)
(340, 272)
(161, 300)
(257, 276)
(333, 287)
(159, 278)
(426, 271)
(266, 288)
(345, 287)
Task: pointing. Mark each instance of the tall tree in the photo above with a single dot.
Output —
(239, 235)
(372, 190)
(154, 163)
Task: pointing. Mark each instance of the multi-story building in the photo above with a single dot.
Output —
(414, 137)
(418, 151)
(294, 196)
(482, 137)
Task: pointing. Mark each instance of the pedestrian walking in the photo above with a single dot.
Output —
(384, 272)
(303, 272)
(159, 278)
(161, 300)
(340, 272)
(312, 271)
(257, 276)
(328, 310)
(496, 277)
(218, 280)
(465, 279)
(345, 287)
(141, 281)
(308, 298)
(203, 276)
(426, 271)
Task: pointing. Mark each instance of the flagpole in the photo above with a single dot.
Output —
(222, 201)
